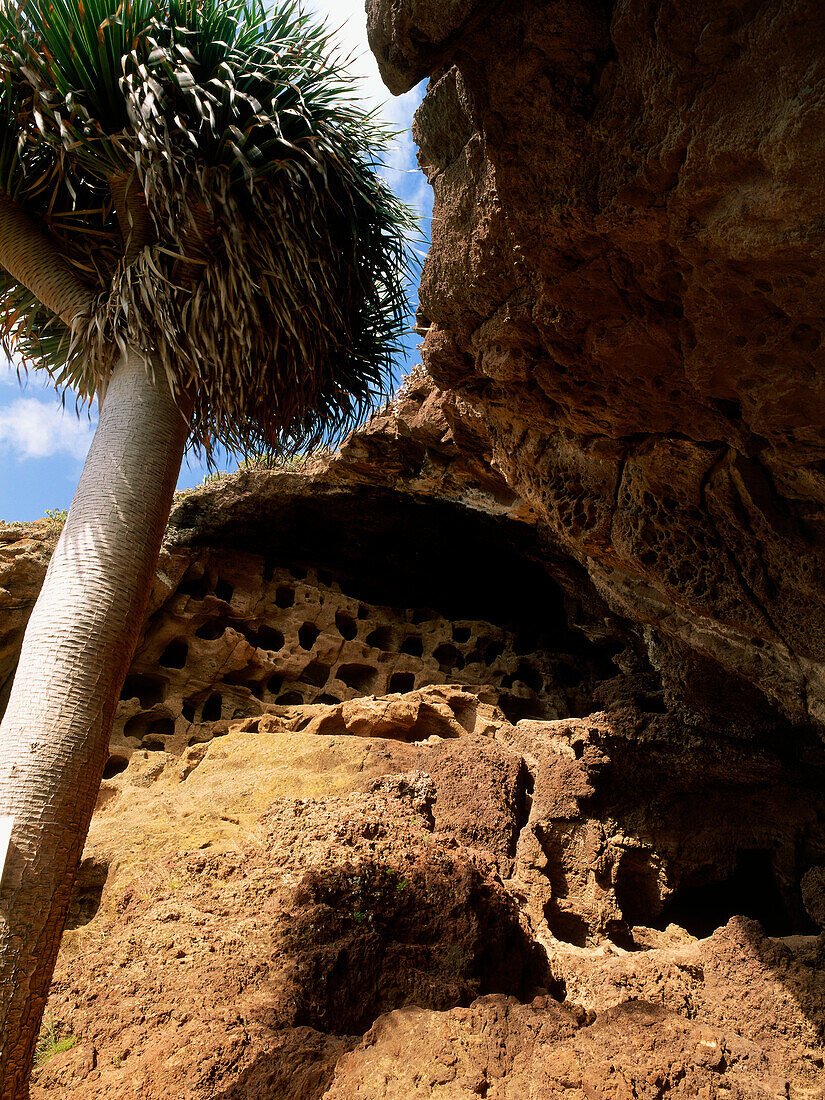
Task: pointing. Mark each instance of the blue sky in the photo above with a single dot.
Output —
(43, 441)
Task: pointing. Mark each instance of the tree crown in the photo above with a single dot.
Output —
(206, 170)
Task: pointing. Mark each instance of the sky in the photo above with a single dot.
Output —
(43, 440)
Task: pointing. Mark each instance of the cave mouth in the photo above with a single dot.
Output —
(393, 550)
(750, 890)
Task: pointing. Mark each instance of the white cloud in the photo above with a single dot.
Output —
(33, 428)
(11, 377)
(348, 18)
(8, 373)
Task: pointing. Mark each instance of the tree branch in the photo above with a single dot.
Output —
(31, 257)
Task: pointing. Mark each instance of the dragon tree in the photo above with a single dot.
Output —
(193, 230)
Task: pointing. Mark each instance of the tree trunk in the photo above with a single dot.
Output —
(76, 652)
(132, 215)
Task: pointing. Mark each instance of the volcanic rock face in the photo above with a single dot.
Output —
(455, 906)
(402, 561)
(24, 557)
(236, 636)
(452, 766)
(626, 285)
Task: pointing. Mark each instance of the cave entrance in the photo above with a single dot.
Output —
(750, 890)
(637, 888)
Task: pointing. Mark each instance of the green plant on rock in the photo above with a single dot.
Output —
(49, 1043)
(192, 228)
(282, 463)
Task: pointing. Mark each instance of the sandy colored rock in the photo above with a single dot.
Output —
(501, 1049)
(409, 38)
(25, 550)
(244, 963)
(481, 758)
(280, 912)
(813, 894)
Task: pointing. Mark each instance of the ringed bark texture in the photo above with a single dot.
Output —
(80, 639)
(31, 257)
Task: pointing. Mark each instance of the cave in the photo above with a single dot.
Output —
(566, 926)
(401, 682)
(285, 596)
(413, 646)
(88, 891)
(391, 550)
(358, 677)
(347, 626)
(750, 890)
(266, 637)
(211, 630)
(212, 708)
(148, 690)
(308, 635)
(316, 673)
(448, 657)
(380, 638)
(175, 654)
(114, 766)
(223, 590)
(637, 888)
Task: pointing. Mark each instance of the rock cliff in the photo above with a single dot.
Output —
(414, 897)
(401, 561)
(626, 287)
(397, 807)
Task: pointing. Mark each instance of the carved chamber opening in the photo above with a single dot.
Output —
(302, 604)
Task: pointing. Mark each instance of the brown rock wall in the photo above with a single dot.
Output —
(625, 283)
(235, 638)
(402, 561)
(25, 550)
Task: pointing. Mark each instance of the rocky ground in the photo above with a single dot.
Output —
(411, 896)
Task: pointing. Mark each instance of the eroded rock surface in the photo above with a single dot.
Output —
(402, 560)
(625, 284)
(459, 906)
(452, 765)
(25, 550)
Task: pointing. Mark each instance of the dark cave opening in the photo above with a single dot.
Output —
(175, 654)
(223, 590)
(357, 677)
(87, 893)
(114, 766)
(750, 890)
(212, 708)
(637, 888)
(413, 646)
(389, 549)
(565, 925)
(148, 690)
(516, 708)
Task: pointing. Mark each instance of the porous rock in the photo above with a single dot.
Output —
(500, 1048)
(625, 285)
(284, 911)
(25, 550)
